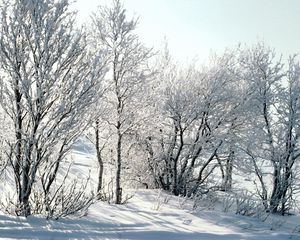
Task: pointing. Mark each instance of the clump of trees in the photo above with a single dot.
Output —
(48, 81)
(242, 112)
(188, 130)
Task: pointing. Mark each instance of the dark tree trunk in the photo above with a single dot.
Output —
(119, 166)
(275, 197)
(100, 161)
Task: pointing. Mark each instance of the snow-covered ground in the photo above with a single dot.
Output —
(148, 215)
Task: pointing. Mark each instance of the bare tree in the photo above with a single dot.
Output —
(128, 61)
(48, 83)
(195, 109)
(275, 109)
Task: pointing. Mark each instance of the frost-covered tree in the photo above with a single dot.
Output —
(129, 71)
(48, 82)
(272, 139)
(194, 110)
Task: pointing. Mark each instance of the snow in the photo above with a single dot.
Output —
(148, 215)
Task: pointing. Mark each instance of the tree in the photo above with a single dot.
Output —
(128, 61)
(273, 131)
(194, 110)
(48, 82)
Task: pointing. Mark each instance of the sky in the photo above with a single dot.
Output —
(194, 28)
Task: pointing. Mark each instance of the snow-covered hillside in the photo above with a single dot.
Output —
(149, 215)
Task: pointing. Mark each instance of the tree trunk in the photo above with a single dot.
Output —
(118, 166)
(286, 184)
(151, 163)
(176, 187)
(25, 206)
(200, 177)
(275, 197)
(21, 165)
(100, 161)
(227, 185)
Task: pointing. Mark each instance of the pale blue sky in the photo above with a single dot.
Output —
(194, 27)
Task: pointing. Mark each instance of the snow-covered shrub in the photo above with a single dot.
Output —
(207, 200)
(247, 205)
(161, 200)
(228, 203)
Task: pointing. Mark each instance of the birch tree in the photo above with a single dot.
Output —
(48, 82)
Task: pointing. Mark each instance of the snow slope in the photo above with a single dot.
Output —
(148, 215)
